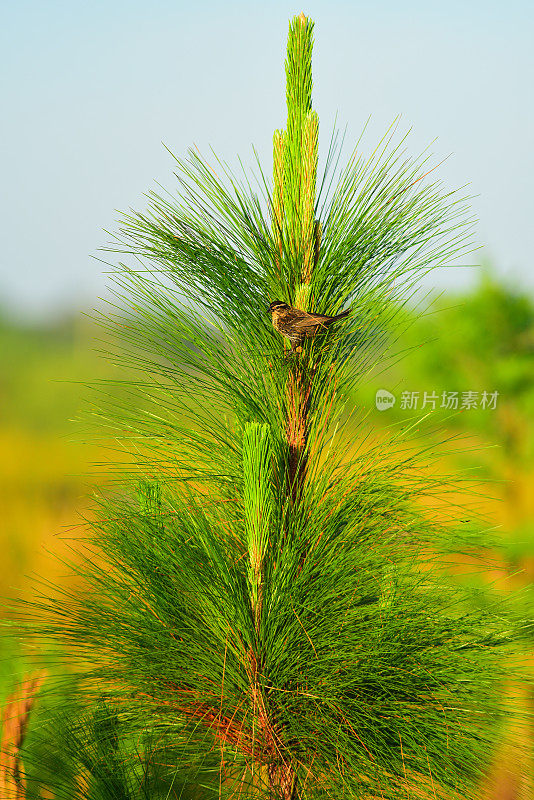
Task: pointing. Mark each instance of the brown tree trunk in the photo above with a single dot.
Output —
(298, 390)
(282, 781)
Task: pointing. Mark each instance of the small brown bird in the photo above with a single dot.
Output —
(297, 325)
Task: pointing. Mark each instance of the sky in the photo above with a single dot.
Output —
(92, 90)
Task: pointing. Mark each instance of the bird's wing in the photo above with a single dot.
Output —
(310, 319)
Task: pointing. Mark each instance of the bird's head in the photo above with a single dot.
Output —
(277, 305)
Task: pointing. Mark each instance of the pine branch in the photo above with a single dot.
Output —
(294, 218)
(258, 505)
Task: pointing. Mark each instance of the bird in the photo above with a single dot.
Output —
(297, 325)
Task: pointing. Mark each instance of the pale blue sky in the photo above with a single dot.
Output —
(91, 89)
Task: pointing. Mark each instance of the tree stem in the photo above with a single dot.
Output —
(296, 236)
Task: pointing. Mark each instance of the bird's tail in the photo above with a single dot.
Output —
(341, 316)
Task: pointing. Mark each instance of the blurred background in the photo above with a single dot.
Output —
(91, 90)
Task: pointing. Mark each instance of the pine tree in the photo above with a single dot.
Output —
(267, 613)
